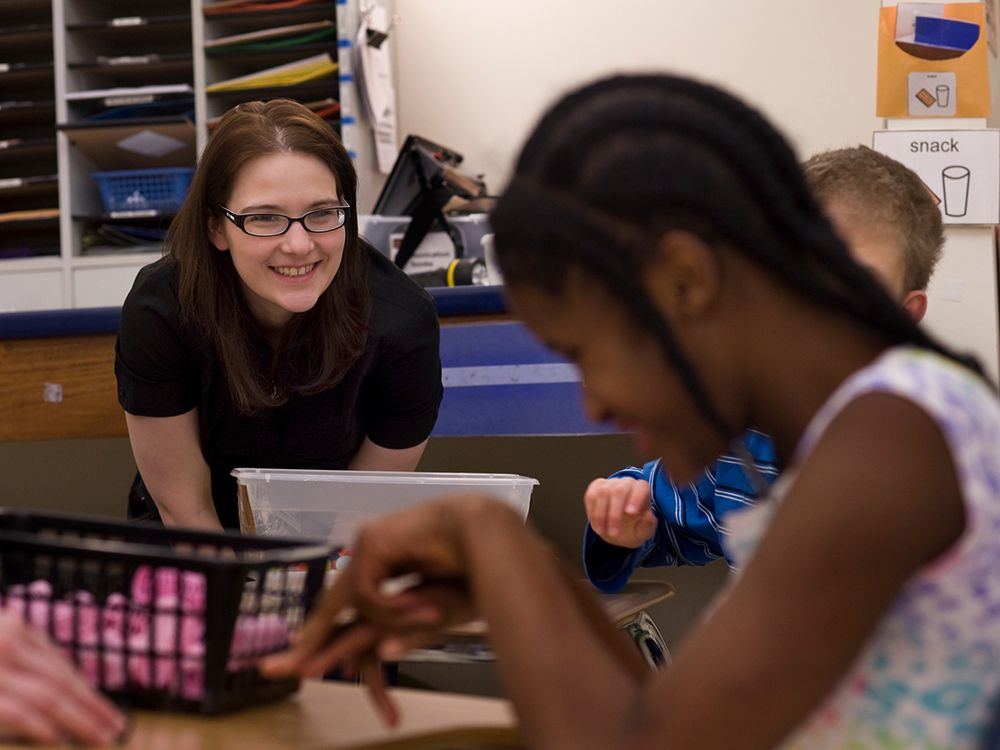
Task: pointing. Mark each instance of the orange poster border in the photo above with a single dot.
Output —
(971, 69)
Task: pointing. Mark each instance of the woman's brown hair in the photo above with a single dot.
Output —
(326, 340)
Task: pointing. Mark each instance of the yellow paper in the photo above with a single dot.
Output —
(972, 97)
(283, 75)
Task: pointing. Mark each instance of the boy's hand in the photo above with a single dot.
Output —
(620, 511)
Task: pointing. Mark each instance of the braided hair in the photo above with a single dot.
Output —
(618, 163)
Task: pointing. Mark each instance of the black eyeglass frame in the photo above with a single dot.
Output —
(240, 219)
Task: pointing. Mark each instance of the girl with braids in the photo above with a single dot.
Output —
(271, 335)
(640, 516)
(661, 234)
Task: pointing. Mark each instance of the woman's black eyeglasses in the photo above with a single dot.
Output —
(271, 225)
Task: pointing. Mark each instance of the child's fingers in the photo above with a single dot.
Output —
(431, 606)
(342, 643)
(396, 647)
(20, 720)
(349, 643)
(41, 671)
(595, 500)
(618, 494)
(326, 623)
(373, 675)
(639, 498)
(33, 706)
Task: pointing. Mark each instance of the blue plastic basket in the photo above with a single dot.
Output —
(144, 189)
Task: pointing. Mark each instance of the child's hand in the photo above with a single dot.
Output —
(407, 582)
(43, 698)
(620, 510)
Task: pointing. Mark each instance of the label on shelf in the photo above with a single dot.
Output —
(127, 21)
(130, 60)
(117, 101)
(11, 182)
(133, 214)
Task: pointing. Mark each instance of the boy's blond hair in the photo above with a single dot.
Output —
(886, 195)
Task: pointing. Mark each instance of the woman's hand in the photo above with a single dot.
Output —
(365, 618)
(42, 698)
(620, 511)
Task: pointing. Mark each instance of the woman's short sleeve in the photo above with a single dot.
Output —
(405, 384)
(156, 373)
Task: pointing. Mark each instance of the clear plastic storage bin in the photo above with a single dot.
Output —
(333, 505)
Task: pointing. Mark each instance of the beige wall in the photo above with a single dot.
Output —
(475, 75)
(966, 315)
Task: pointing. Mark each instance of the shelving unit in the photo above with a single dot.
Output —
(124, 69)
(93, 86)
(29, 196)
(252, 56)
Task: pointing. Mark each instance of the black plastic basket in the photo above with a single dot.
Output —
(157, 617)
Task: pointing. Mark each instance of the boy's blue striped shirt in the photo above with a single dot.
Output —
(688, 518)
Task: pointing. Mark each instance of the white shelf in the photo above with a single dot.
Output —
(116, 260)
(30, 265)
(82, 35)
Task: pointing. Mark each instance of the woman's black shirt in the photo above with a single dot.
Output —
(391, 394)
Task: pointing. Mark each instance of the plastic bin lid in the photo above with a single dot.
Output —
(379, 477)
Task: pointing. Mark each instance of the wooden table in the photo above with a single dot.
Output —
(636, 597)
(334, 716)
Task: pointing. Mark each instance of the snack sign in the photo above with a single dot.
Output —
(961, 168)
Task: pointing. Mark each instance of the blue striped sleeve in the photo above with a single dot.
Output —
(689, 531)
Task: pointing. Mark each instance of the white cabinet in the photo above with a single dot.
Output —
(30, 284)
(104, 281)
(99, 86)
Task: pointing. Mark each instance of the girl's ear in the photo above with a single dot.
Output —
(685, 276)
(215, 234)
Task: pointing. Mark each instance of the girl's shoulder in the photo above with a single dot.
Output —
(962, 404)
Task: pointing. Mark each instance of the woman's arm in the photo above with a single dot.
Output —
(168, 455)
(877, 499)
(371, 457)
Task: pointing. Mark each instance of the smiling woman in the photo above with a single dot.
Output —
(271, 335)
(284, 265)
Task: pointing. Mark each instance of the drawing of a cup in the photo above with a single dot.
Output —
(955, 181)
(942, 93)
